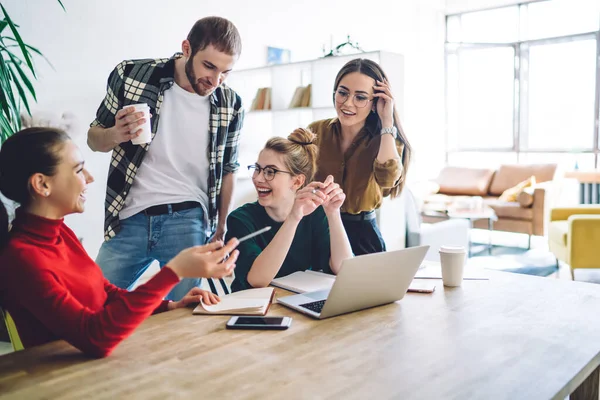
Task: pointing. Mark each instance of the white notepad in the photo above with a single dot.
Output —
(305, 281)
(245, 302)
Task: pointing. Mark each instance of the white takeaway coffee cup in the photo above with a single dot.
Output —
(146, 135)
(452, 259)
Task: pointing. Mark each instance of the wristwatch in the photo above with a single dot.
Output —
(391, 130)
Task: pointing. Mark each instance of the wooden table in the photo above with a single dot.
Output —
(514, 336)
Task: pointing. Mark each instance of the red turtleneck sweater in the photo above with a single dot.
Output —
(54, 290)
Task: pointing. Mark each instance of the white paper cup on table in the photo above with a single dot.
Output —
(146, 135)
(452, 259)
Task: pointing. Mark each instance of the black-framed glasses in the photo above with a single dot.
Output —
(268, 172)
(360, 100)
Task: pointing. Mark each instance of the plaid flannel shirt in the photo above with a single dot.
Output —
(145, 81)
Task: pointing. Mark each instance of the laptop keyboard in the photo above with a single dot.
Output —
(315, 306)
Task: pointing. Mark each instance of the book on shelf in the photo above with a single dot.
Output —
(246, 302)
(312, 281)
(267, 103)
(262, 100)
(305, 101)
(301, 97)
(297, 97)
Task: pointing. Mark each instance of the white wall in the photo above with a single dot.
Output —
(87, 41)
(458, 6)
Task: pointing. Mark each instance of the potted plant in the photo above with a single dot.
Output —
(16, 63)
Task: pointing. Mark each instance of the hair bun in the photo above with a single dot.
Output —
(301, 136)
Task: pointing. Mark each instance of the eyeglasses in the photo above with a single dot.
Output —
(360, 100)
(268, 172)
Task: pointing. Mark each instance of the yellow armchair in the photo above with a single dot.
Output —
(574, 236)
(15, 339)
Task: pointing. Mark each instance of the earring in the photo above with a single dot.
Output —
(46, 193)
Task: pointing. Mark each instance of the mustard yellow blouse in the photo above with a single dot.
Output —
(365, 181)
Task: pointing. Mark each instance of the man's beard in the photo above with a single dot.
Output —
(191, 75)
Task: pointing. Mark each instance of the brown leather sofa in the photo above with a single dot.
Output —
(529, 214)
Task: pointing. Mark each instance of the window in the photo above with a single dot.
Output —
(491, 26)
(523, 80)
(556, 18)
(561, 96)
(483, 98)
(480, 159)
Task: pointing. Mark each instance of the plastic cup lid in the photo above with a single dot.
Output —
(452, 249)
(139, 106)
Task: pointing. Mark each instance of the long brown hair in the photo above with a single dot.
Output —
(299, 151)
(373, 122)
(27, 152)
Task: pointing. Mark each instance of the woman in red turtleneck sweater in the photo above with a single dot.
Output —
(49, 285)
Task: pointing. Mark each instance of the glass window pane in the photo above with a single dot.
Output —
(561, 17)
(500, 25)
(480, 159)
(561, 95)
(485, 98)
(566, 161)
(453, 28)
(452, 100)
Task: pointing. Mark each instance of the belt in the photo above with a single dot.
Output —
(362, 216)
(169, 208)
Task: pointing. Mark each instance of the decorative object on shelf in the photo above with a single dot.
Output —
(262, 100)
(348, 47)
(276, 55)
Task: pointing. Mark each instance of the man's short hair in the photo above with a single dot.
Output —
(216, 31)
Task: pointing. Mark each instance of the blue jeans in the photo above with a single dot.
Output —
(144, 239)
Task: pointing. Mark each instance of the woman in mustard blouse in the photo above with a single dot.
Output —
(364, 149)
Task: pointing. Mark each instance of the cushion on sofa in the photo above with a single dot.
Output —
(465, 181)
(512, 193)
(525, 198)
(558, 231)
(509, 175)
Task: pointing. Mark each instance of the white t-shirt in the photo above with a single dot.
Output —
(176, 167)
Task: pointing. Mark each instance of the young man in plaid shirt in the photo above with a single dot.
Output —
(174, 192)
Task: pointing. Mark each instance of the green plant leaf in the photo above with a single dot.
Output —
(22, 95)
(5, 82)
(8, 129)
(24, 77)
(15, 33)
(33, 49)
(3, 24)
(5, 105)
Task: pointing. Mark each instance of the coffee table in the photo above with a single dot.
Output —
(471, 216)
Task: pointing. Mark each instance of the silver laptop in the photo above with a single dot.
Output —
(363, 282)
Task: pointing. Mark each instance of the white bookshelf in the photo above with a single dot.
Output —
(260, 125)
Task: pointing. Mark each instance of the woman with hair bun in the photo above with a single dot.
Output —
(307, 230)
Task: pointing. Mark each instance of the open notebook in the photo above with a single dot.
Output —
(312, 281)
(246, 302)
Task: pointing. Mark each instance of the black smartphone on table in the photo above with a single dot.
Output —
(253, 322)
